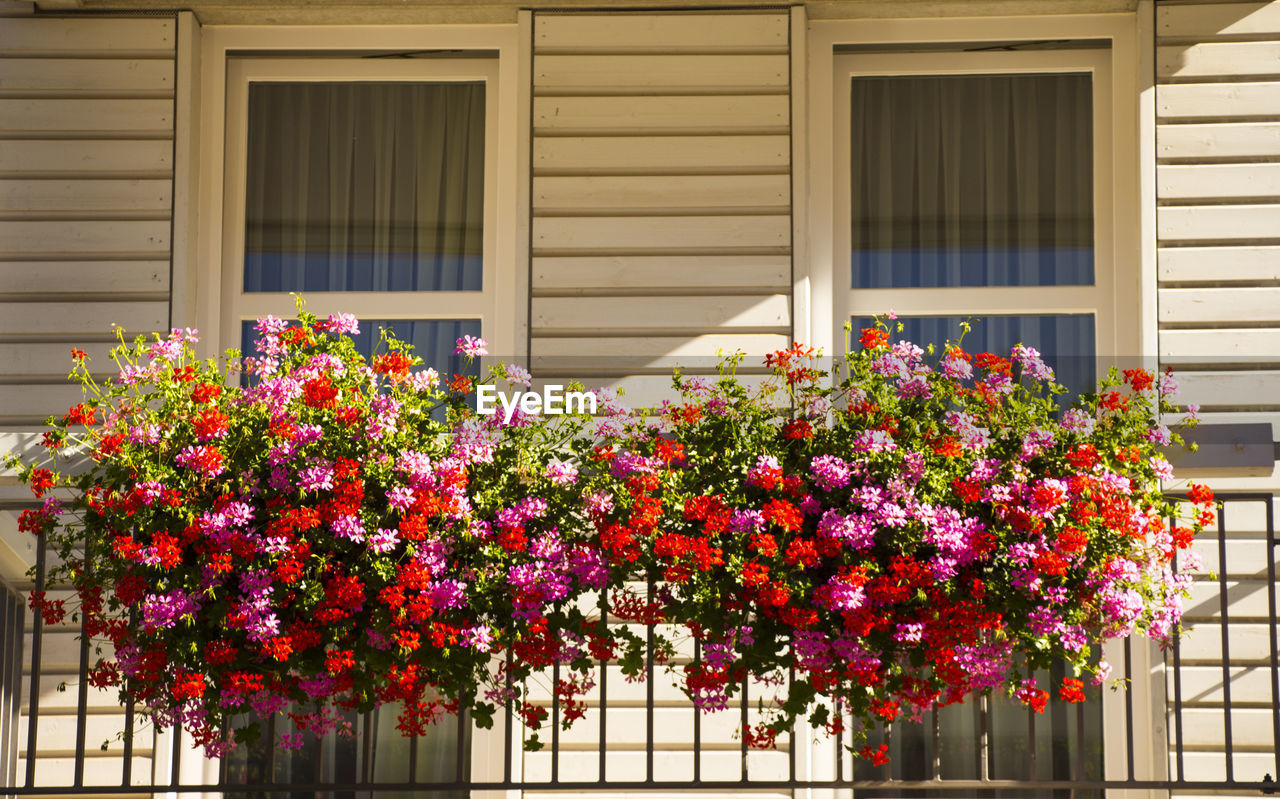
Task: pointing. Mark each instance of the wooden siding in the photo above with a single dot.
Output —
(661, 227)
(86, 189)
(1218, 265)
(1218, 188)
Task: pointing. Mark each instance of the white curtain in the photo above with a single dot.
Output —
(365, 187)
(972, 180)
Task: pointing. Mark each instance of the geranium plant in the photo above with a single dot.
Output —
(915, 529)
(305, 531)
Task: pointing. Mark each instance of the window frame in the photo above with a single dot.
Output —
(237, 305)
(1125, 320)
(1098, 299)
(205, 55)
(209, 235)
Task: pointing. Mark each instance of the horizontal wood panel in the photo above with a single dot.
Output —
(636, 272)
(667, 191)
(1210, 767)
(1221, 181)
(85, 196)
(32, 404)
(132, 116)
(660, 153)
(52, 360)
(1253, 389)
(657, 313)
(1249, 684)
(1249, 643)
(641, 113)
(1193, 100)
(1225, 346)
(36, 320)
(1250, 728)
(53, 701)
(1246, 557)
(1218, 59)
(38, 158)
(117, 236)
(1220, 263)
(83, 277)
(1217, 19)
(100, 768)
(1221, 305)
(87, 76)
(669, 71)
(655, 351)
(52, 730)
(1218, 222)
(664, 231)
(1247, 599)
(672, 32)
(1226, 140)
(22, 36)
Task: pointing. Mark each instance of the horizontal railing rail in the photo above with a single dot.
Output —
(164, 777)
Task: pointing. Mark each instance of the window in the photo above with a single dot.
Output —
(976, 185)
(367, 186)
(966, 173)
(370, 185)
(972, 168)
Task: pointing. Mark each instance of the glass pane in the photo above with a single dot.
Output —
(365, 187)
(1066, 341)
(971, 180)
(433, 340)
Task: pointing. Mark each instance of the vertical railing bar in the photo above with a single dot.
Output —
(791, 733)
(1226, 652)
(271, 749)
(648, 702)
(555, 722)
(175, 765)
(1128, 712)
(510, 728)
(935, 744)
(984, 738)
(463, 738)
(317, 772)
(33, 708)
(413, 757)
(839, 743)
(8, 616)
(1275, 645)
(1032, 765)
(697, 721)
(126, 773)
(1177, 700)
(366, 767)
(601, 749)
(82, 693)
(1080, 744)
(746, 721)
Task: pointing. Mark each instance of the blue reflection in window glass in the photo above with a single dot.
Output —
(433, 340)
(1066, 341)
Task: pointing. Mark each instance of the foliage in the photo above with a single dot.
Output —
(314, 536)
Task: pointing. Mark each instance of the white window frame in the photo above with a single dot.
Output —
(1099, 299)
(208, 282)
(239, 305)
(1123, 297)
(207, 252)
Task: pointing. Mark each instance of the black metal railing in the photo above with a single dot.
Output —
(350, 772)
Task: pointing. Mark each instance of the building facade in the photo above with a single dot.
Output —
(610, 191)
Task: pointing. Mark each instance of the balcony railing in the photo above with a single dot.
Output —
(1233, 602)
